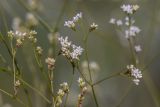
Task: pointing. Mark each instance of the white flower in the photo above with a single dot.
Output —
(93, 25)
(60, 92)
(129, 9)
(19, 34)
(77, 17)
(69, 24)
(136, 81)
(77, 51)
(64, 43)
(138, 48)
(17, 83)
(119, 23)
(135, 7)
(39, 50)
(65, 87)
(136, 74)
(112, 21)
(134, 30)
(50, 62)
(127, 34)
(70, 50)
(81, 82)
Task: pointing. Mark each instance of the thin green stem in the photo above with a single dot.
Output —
(31, 87)
(86, 55)
(106, 78)
(132, 51)
(94, 96)
(50, 75)
(13, 50)
(79, 70)
(12, 96)
(34, 89)
(39, 63)
(52, 89)
(10, 52)
(85, 40)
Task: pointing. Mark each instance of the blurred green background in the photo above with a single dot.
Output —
(106, 46)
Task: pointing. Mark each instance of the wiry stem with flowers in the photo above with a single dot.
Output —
(13, 51)
(51, 66)
(86, 35)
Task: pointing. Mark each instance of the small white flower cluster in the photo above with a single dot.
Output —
(81, 82)
(51, 63)
(71, 51)
(93, 27)
(135, 73)
(61, 92)
(77, 51)
(17, 34)
(71, 23)
(118, 22)
(129, 9)
(17, 83)
(137, 48)
(83, 88)
(131, 31)
(65, 87)
(39, 50)
(21, 36)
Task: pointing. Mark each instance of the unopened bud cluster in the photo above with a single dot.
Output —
(17, 83)
(83, 89)
(51, 63)
(61, 92)
(39, 50)
(22, 36)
